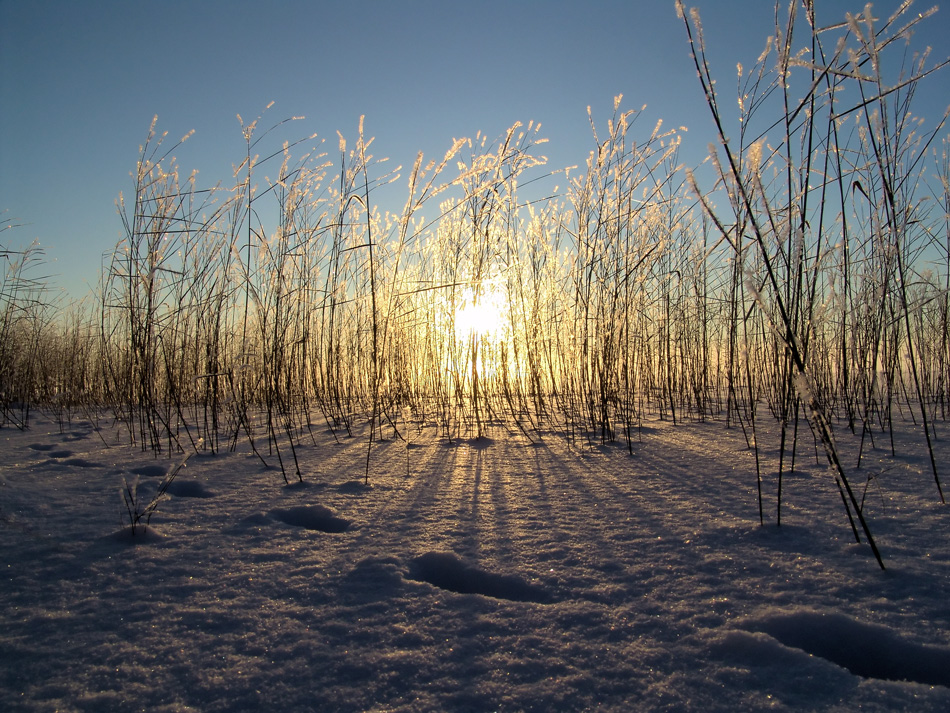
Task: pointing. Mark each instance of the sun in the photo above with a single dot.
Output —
(483, 314)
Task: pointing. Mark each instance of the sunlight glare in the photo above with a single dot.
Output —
(481, 316)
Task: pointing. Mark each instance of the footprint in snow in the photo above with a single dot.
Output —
(82, 463)
(189, 489)
(151, 471)
(63, 453)
(354, 487)
(446, 571)
(41, 446)
(75, 436)
(311, 517)
(864, 649)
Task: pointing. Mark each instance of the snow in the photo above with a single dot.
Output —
(447, 571)
(496, 575)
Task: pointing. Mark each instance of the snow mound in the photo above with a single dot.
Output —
(866, 650)
(374, 577)
(480, 443)
(446, 571)
(189, 489)
(137, 534)
(300, 485)
(311, 517)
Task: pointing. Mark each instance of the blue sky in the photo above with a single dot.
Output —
(80, 82)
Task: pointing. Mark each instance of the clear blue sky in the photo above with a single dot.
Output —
(80, 82)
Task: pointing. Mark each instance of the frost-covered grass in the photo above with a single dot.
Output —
(805, 269)
(498, 575)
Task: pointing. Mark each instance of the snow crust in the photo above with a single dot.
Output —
(497, 575)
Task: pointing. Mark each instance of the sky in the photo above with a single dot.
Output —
(80, 83)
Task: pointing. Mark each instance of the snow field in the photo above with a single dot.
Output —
(497, 576)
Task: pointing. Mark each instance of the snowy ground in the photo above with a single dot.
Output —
(583, 578)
